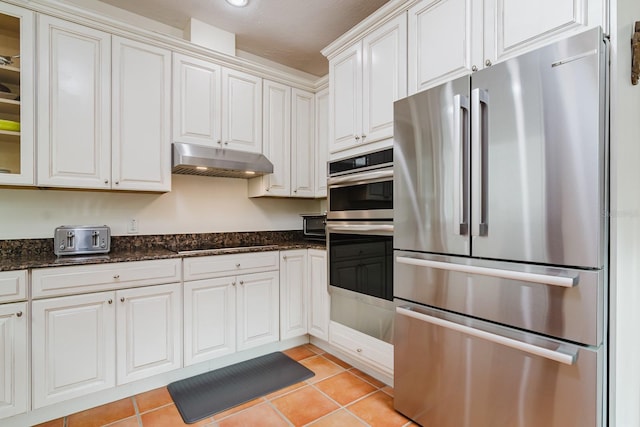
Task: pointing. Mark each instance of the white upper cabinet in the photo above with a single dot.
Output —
(288, 142)
(103, 110)
(197, 101)
(241, 111)
(17, 37)
(302, 143)
(365, 79)
(445, 41)
(322, 142)
(451, 38)
(277, 137)
(74, 105)
(141, 144)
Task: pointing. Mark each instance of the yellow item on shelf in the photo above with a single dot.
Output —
(9, 125)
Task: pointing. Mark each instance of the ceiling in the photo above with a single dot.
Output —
(290, 32)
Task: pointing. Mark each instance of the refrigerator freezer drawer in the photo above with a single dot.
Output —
(561, 302)
(453, 371)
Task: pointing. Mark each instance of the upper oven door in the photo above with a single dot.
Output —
(364, 195)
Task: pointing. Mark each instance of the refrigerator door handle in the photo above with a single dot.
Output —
(479, 112)
(460, 169)
(558, 356)
(562, 281)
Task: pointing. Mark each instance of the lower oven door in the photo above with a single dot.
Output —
(360, 258)
(455, 371)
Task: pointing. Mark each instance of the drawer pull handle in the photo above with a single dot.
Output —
(555, 355)
(110, 301)
(19, 314)
(117, 276)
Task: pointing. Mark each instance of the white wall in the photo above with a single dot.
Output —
(625, 222)
(195, 205)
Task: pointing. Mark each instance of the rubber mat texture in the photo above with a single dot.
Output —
(206, 394)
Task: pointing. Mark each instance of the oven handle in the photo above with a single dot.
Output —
(360, 228)
(563, 281)
(558, 356)
(362, 177)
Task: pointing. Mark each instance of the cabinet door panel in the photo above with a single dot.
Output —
(148, 331)
(322, 142)
(445, 41)
(13, 359)
(384, 78)
(346, 98)
(141, 158)
(209, 316)
(302, 143)
(241, 111)
(196, 101)
(17, 149)
(74, 105)
(258, 309)
(319, 295)
(277, 137)
(75, 338)
(293, 293)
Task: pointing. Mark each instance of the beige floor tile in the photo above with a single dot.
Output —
(101, 415)
(304, 405)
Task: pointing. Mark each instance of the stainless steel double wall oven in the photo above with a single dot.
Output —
(360, 242)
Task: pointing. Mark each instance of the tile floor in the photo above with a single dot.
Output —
(337, 396)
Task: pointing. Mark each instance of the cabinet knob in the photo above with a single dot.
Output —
(363, 137)
(117, 182)
(233, 283)
(121, 299)
(357, 137)
(487, 63)
(226, 143)
(284, 257)
(116, 277)
(242, 282)
(19, 314)
(295, 191)
(219, 143)
(110, 301)
(106, 181)
(238, 265)
(474, 68)
(359, 350)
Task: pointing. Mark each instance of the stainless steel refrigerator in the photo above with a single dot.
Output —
(500, 243)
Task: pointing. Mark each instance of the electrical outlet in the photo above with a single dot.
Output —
(132, 226)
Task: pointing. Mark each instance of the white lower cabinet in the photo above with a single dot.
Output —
(319, 299)
(14, 387)
(224, 313)
(209, 319)
(293, 293)
(148, 331)
(73, 341)
(91, 342)
(257, 309)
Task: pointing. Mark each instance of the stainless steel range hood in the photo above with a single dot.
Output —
(192, 159)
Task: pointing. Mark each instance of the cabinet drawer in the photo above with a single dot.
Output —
(13, 285)
(98, 277)
(370, 350)
(227, 265)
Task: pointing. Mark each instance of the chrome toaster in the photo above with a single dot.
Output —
(81, 239)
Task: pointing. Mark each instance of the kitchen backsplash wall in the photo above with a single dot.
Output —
(195, 205)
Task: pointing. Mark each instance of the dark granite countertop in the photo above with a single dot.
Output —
(38, 253)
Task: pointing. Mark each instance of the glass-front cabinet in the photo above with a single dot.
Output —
(16, 95)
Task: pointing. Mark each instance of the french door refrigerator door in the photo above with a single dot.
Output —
(454, 371)
(431, 179)
(538, 155)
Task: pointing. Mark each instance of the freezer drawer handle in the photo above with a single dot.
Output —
(567, 359)
(563, 281)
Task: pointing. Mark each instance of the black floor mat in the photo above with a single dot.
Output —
(206, 394)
